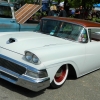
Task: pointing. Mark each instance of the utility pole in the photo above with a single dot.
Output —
(40, 2)
(41, 5)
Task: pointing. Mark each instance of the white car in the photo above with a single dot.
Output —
(59, 47)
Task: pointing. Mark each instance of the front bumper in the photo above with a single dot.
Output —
(15, 72)
(34, 84)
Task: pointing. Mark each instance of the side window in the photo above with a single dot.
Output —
(5, 12)
(94, 34)
(93, 30)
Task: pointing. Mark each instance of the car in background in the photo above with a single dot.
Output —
(60, 47)
(11, 20)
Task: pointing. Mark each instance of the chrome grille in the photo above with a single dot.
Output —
(12, 66)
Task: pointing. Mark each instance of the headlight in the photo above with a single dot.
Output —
(28, 56)
(35, 59)
(32, 58)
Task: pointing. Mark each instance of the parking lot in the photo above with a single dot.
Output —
(84, 88)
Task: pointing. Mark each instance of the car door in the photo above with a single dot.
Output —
(7, 22)
(8, 25)
(93, 50)
(92, 53)
(92, 56)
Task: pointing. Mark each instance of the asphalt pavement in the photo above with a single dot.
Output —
(84, 88)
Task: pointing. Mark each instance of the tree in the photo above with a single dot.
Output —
(85, 3)
(77, 3)
(72, 3)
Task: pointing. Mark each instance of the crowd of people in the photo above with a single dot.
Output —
(87, 13)
(57, 11)
(80, 13)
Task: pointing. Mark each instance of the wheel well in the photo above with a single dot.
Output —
(71, 72)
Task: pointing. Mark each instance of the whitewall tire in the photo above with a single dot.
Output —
(60, 77)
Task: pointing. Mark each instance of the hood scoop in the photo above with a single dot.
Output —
(11, 40)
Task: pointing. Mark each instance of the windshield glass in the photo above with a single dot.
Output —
(62, 29)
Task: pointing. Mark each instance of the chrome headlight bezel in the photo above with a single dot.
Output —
(32, 58)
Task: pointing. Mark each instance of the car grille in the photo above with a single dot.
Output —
(12, 66)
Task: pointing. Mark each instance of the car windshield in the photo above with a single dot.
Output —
(61, 29)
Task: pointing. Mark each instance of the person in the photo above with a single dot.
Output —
(66, 7)
(53, 11)
(93, 13)
(81, 13)
(62, 12)
(86, 13)
(77, 13)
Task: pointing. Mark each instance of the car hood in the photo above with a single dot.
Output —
(21, 41)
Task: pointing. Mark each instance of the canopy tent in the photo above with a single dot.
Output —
(96, 5)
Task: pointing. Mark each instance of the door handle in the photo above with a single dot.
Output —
(12, 21)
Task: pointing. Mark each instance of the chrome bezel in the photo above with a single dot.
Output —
(32, 56)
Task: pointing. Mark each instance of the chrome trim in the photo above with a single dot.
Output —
(34, 84)
(7, 71)
(18, 63)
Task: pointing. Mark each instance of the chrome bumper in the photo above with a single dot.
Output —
(34, 84)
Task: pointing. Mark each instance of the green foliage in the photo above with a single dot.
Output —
(58, 0)
(72, 3)
(77, 3)
(38, 15)
(29, 1)
(98, 20)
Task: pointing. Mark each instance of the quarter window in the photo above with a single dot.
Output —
(94, 34)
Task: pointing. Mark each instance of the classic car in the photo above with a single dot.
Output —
(58, 48)
(11, 20)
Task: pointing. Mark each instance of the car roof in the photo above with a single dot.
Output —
(84, 23)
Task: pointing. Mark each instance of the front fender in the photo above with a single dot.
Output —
(52, 69)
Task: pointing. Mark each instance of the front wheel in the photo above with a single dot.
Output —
(60, 77)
